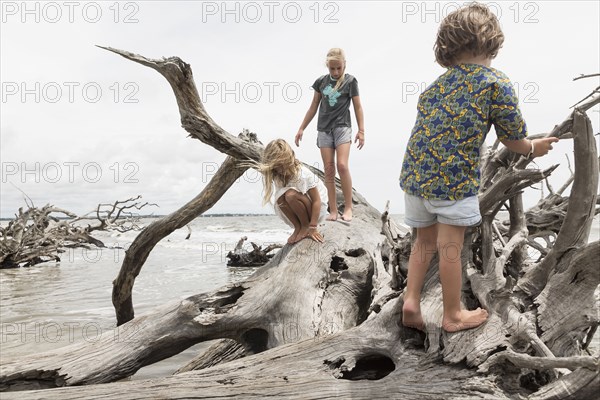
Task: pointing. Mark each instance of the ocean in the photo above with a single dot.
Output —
(55, 304)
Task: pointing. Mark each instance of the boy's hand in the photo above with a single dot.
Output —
(298, 137)
(543, 146)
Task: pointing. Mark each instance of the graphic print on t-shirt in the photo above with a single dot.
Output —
(334, 106)
(332, 95)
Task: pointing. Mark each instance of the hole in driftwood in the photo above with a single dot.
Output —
(534, 380)
(229, 296)
(256, 340)
(355, 252)
(338, 264)
(371, 367)
(335, 364)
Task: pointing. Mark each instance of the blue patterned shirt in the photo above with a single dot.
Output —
(455, 113)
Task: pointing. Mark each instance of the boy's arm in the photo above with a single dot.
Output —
(531, 148)
(358, 112)
(310, 114)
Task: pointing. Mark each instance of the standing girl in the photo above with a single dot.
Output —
(333, 94)
(298, 191)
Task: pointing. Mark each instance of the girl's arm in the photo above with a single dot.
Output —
(310, 114)
(315, 198)
(358, 112)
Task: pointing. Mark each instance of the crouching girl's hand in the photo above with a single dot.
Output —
(314, 234)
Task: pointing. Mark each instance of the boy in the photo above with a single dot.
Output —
(440, 172)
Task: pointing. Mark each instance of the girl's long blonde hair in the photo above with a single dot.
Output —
(278, 164)
(337, 54)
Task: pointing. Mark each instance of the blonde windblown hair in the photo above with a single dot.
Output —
(337, 54)
(278, 164)
(472, 29)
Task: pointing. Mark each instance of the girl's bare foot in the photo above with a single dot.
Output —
(411, 315)
(294, 237)
(302, 233)
(464, 320)
(347, 215)
(332, 216)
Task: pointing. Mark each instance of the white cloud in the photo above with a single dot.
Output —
(389, 49)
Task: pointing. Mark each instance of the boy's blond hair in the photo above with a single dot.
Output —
(473, 30)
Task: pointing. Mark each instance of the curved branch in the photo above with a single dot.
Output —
(140, 249)
(583, 76)
(194, 117)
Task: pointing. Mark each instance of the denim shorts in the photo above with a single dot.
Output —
(420, 212)
(335, 137)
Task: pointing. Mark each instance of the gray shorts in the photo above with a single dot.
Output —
(420, 212)
(335, 137)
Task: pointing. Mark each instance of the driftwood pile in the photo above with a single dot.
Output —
(38, 235)
(323, 320)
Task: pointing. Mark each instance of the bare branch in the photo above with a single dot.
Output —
(539, 363)
(582, 76)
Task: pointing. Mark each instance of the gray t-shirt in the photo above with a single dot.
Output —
(334, 109)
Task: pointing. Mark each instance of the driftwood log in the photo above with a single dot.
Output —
(322, 320)
(239, 257)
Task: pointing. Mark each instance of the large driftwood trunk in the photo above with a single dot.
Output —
(322, 320)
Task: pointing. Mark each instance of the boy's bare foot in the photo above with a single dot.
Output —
(347, 215)
(465, 320)
(332, 216)
(411, 315)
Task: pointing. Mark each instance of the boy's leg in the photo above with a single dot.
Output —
(328, 156)
(450, 243)
(423, 250)
(300, 204)
(343, 154)
(288, 212)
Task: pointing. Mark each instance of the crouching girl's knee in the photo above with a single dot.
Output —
(290, 195)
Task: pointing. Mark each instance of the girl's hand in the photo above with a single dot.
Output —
(298, 137)
(315, 235)
(360, 138)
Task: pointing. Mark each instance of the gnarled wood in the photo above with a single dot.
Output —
(365, 362)
(326, 288)
(255, 258)
(582, 204)
(37, 235)
(325, 318)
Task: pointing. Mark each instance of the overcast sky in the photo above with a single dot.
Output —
(81, 126)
